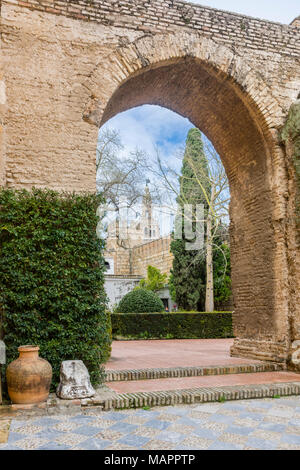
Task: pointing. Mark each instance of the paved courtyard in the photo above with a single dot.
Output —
(251, 424)
(172, 353)
(184, 383)
(151, 355)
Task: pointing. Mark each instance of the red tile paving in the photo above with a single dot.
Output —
(172, 353)
(160, 385)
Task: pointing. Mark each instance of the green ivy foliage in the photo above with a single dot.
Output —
(191, 325)
(222, 273)
(140, 300)
(155, 280)
(51, 278)
(188, 277)
(187, 273)
(290, 136)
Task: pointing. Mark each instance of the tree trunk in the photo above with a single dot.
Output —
(209, 301)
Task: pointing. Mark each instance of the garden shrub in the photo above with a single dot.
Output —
(155, 280)
(172, 325)
(140, 300)
(51, 278)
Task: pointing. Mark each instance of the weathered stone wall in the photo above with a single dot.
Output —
(118, 286)
(155, 253)
(2, 115)
(47, 59)
(50, 60)
(70, 66)
(296, 22)
(161, 15)
(121, 257)
(135, 261)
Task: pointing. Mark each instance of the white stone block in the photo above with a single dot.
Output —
(2, 352)
(74, 381)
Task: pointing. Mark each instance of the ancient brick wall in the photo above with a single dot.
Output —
(69, 66)
(53, 49)
(136, 260)
(155, 253)
(121, 257)
(2, 115)
(161, 15)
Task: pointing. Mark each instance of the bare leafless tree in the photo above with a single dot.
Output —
(120, 179)
(213, 185)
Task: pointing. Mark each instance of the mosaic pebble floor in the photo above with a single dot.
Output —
(251, 424)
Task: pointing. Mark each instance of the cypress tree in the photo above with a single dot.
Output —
(188, 276)
(194, 171)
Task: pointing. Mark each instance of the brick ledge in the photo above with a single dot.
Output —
(199, 395)
(196, 371)
(106, 399)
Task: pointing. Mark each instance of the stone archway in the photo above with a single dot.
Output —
(209, 85)
(233, 76)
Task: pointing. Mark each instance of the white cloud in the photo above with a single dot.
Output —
(148, 127)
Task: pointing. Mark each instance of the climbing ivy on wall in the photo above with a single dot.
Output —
(291, 137)
(51, 278)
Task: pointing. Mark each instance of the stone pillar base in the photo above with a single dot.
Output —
(260, 350)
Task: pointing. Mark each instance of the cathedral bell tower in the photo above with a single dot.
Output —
(150, 229)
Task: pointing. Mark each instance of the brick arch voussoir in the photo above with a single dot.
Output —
(154, 51)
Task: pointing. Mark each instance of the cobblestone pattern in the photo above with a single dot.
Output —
(267, 424)
(4, 430)
(142, 374)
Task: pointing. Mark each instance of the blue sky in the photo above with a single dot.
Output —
(148, 127)
(274, 10)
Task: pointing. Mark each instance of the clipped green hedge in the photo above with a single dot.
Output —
(140, 300)
(51, 278)
(172, 325)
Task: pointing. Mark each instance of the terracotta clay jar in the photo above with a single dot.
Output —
(29, 377)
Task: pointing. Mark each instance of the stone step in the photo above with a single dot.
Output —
(195, 395)
(200, 371)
